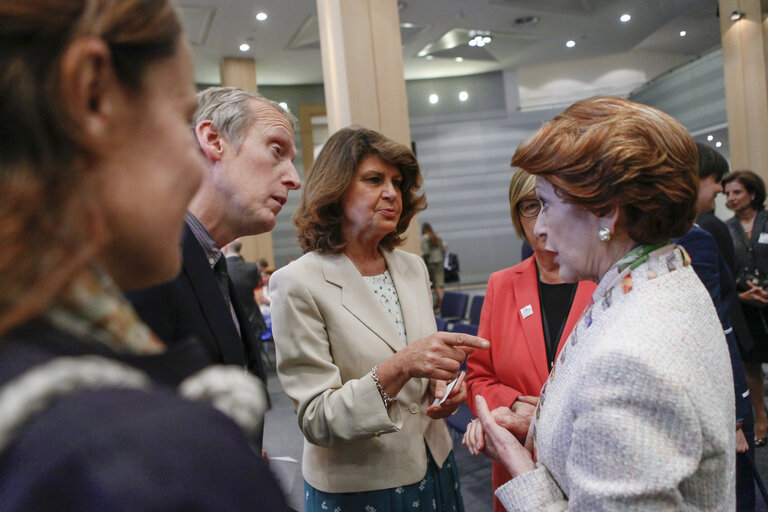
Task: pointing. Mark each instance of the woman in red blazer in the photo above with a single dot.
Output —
(525, 337)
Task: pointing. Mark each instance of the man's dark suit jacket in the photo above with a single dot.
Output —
(246, 276)
(192, 304)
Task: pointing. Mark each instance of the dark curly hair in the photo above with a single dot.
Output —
(607, 153)
(320, 214)
(752, 183)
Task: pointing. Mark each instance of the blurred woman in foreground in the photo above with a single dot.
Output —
(637, 412)
(97, 166)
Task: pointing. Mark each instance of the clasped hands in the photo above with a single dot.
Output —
(755, 296)
(502, 434)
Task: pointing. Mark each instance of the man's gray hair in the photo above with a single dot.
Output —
(231, 112)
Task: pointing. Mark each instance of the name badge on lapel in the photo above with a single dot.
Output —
(763, 238)
(526, 311)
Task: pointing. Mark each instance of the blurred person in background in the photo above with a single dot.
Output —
(745, 196)
(433, 252)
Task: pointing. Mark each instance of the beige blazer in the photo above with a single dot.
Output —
(330, 330)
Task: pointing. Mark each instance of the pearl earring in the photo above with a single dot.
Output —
(604, 234)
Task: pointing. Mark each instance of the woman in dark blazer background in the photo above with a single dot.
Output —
(745, 195)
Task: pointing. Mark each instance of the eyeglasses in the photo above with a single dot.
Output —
(529, 208)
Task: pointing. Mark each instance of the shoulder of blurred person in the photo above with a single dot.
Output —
(709, 264)
(89, 449)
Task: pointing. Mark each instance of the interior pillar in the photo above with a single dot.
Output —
(242, 73)
(363, 73)
(746, 87)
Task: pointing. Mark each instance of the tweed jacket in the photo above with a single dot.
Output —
(330, 330)
(637, 413)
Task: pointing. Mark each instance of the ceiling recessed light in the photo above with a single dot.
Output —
(683, 33)
(463, 96)
(718, 144)
(479, 38)
(737, 15)
(459, 59)
(261, 16)
(429, 57)
(710, 138)
(433, 98)
(245, 47)
(625, 18)
(570, 44)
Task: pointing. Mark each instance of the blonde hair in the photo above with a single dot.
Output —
(521, 185)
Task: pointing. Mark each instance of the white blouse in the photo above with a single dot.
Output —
(384, 289)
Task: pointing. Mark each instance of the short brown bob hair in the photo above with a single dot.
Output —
(607, 153)
(752, 183)
(320, 214)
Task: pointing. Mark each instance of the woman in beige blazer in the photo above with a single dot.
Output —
(357, 350)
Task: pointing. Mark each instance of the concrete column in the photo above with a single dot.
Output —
(746, 84)
(363, 72)
(242, 73)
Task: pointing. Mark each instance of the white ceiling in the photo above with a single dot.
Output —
(286, 49)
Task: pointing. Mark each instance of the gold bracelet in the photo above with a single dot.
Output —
(384, 396)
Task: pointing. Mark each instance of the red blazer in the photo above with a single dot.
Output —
(516, 363)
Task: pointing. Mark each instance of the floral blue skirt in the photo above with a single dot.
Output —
(439, 491)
